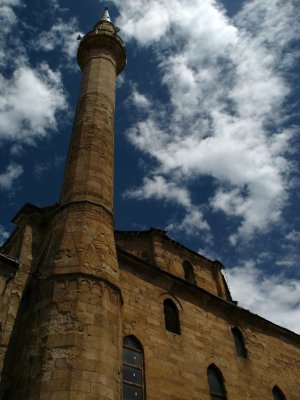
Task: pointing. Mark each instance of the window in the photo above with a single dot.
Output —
(216, 385)
(277, 393)
(189, 275)
(133, 369)
(171, 317)
(239, 342)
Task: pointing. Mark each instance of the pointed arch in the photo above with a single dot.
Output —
(277, 393)
(189, 274)
(171, 314)
(133, 369)
(175, 299)
(216, 383)
(239, 342)
(132, 342)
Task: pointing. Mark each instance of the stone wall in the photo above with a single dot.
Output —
(156, 248)
(176, 365)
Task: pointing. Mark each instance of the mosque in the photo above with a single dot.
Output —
(89, 313)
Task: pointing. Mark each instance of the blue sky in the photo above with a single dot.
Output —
(206, 130)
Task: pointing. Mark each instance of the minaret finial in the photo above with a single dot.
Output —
(106, 16)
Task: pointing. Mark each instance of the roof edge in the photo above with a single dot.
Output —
(232, 305)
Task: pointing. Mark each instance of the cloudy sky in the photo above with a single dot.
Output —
(207, 128)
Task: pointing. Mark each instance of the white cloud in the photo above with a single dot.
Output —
(55, 4)
(31, 98)
(3, 234)
(139, 100)
(288, 261)
(227, 85)
(192, 223)
(120, 80)
(147, 21)
(8, 178)
(11, 49)
(7, 14)
(62, 35)
(30, 101)
(16, 149)
(10, 3)
(273, 297)
(293, 236)
(160, 189)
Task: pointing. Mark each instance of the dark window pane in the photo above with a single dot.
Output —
(171, 317)
(132, 357)
(132, 369)
(216, 385)
(239, 343)
(131, 374)
(188, 272)
(131, 342)
(132, 392)
(277, 394)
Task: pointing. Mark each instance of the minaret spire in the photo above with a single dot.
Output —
(106, 16)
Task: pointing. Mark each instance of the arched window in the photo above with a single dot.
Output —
(171, 317)
(277, 393)
(133, 369)
(189, 274)
(239, 342)
(216, 383)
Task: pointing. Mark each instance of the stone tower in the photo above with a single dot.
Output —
(71, 322)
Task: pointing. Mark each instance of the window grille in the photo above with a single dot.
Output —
(133, 369)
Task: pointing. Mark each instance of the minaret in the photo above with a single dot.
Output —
(71, 341)
(89, 174)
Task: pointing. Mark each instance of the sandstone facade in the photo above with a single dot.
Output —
(87, 313)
